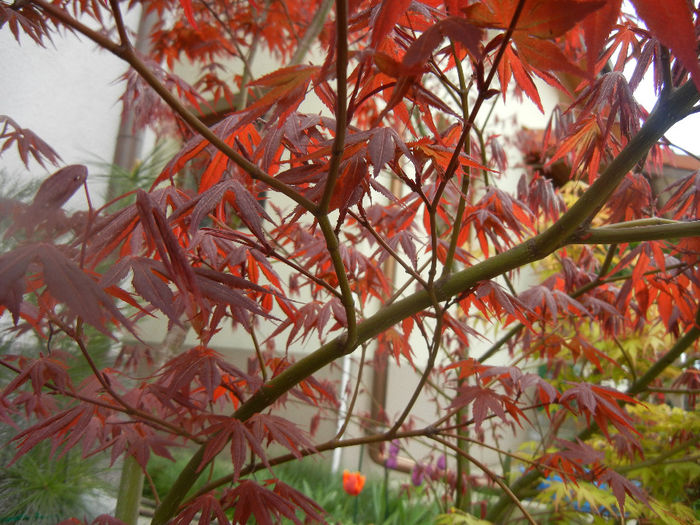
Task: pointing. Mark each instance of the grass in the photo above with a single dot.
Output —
(39, 489)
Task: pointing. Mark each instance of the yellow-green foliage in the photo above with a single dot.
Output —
(669, 438)
(458, 517)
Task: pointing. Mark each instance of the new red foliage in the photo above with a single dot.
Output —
(379, 223)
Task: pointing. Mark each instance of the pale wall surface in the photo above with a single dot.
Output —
(67, 94)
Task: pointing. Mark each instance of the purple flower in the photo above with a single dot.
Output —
(391, 460)
(417, 475)
(441, 462)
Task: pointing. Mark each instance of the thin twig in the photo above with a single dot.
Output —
(341, 108)
(353, 400)
(490, 474)
(119, 21)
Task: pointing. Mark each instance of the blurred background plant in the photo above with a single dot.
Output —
(381, 502)
(45, 486)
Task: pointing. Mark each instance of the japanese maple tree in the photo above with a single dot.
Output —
(381, 223)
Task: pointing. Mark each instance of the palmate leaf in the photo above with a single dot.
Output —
(65, 281)
(250, 499)
(28, 20)
(39, 372)
(602, 405)
(684, 200)
(272, 428)
(13, 267)
(572, 461)
(621, 487)
(247, 207)
(189, 14)
(28, 143)
(310, 390)
(207, 507)
(596, 28)
(672, 23)
(286, 88)
(389, 13)
(167, 245)
(67, 426)
(55, 191)
(540, 22)
(243, 442)
(485, 401)
(199, 366)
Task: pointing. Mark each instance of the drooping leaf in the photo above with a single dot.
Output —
(672, 23)
(249, 499)
(207, 507)
(28, 143)
(390, 11)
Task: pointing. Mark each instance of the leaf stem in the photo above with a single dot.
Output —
(341, 107)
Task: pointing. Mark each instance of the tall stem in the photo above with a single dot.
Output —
(130, 489)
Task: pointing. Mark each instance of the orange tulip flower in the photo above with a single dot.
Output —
(353, 482)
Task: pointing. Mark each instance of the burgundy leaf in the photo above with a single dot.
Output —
(207, 507)
(28, 143)
(68, 283)
(455, 28)
(249, 499)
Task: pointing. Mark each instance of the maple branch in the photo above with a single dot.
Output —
(130, 57)
(119, 22)
(67, 20)
(665, 361)
(258, 351)
(481, 97)
(346, 291)
(153, 422)
(462, 204)
(622, 233)
(680, 391)
(437, 333)
(627, 357)
(353, 400)
(515, 330)
(312, 31)
(362, 220)
(245, 60)
(284, 259)
(511, 455)
(535, 248)
(341, 104)
(664, 115)
(598, 281)
(76, 336)
(323, 447)
(666, 71)
(247, 71)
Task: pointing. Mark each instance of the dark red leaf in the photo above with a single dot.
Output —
(390, 11)
(672, 23)
(207, 507)
(621, 487)
(28, 143)
(249, 499)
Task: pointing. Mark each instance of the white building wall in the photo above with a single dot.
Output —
(68, 94)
